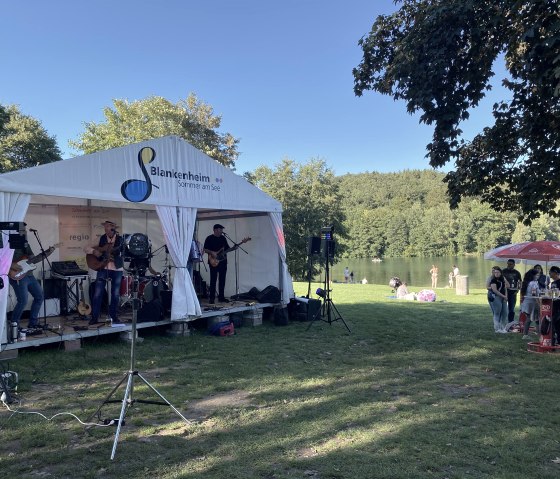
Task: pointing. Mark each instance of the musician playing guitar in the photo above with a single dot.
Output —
(216, 246)
(27, 283)
(110, 263)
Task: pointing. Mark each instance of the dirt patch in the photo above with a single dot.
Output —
(203, 408)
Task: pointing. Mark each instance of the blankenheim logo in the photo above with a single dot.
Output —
(140, 190)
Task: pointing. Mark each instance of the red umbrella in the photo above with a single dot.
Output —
(532, 250)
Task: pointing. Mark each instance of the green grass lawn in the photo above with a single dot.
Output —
(417, 390)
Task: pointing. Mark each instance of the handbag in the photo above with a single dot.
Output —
(491, 295)
(545, 325)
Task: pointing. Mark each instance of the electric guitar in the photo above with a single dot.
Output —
(97, 261)
(27, 264)
(83, 308)
(218, 256)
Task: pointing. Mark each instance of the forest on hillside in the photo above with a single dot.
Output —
(408, 214)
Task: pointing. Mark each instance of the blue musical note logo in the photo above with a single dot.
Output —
(140, 190)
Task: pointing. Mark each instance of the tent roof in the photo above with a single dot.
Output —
(165, 171)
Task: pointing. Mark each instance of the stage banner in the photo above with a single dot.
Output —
(81, 226)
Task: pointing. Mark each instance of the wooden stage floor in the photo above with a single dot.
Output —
(71, 329)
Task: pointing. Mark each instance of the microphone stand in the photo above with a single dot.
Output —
(43, 258)
(236, 246)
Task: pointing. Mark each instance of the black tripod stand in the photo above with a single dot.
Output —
(128, 399)
(328, 312)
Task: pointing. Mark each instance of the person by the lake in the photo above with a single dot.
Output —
(529, 292)
(403, 293)
(514, 279)
(346, 274)
(499, 285)
(450, 278)
(455, 273)
(434, 273)
(351, 276)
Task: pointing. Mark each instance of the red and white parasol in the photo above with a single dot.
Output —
(530, 250)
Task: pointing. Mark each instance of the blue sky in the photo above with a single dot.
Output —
(279, 73)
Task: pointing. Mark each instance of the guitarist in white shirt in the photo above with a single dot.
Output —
(26, 284)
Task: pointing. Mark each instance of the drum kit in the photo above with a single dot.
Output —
(149, 288)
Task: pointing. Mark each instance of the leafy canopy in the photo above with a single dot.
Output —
(154, 117)
(23, 141)
(311, 199)
(438, 56)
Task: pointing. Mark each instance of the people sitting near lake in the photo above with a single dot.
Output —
(403, 293)
(529, 305)
(434, 273)
(498, 304)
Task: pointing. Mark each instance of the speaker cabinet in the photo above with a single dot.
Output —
(56, 289)
(313, 245)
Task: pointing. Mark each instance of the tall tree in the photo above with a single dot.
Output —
(310, 197)
(154, 117)
(439, 57)
(23, 141)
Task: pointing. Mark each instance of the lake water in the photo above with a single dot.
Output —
(416, 271)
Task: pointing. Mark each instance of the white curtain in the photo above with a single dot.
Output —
(285, 279)
(13, 207)
(178, 225)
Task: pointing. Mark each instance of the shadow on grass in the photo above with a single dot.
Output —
(417, 390)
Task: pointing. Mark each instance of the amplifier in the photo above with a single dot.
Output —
(304, 309)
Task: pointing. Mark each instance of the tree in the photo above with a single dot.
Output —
(310, 198)
(154, 117)
(23, 141)
(439, 57)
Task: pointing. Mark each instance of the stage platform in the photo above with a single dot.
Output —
(72, 329)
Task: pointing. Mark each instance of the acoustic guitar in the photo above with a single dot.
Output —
(99, 260)
(218, 256)
(83, 308)
(27, 264)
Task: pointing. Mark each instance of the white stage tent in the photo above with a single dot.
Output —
(164, 188)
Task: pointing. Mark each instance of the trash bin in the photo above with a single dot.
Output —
(462, 285)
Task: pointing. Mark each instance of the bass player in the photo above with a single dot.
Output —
(25, 283)
(106, 259)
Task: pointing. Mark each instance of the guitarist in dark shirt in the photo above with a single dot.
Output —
(214, 245)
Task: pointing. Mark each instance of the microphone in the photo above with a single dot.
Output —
(31, 229)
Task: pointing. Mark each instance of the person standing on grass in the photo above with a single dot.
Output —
(498, 285)
(514, 279)
(346, 274)
(530, 293)
(450, 277)
(434, 273)
(554, 273)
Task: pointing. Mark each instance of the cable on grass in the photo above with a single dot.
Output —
(16, 411)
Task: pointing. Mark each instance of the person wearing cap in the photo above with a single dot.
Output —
(215, 244)
(113, 271)
(514, 279)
